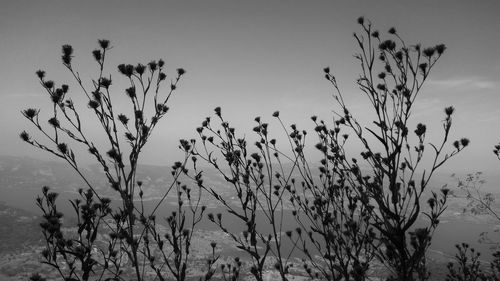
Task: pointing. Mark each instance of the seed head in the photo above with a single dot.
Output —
(93, 104)
(54, 122)
(49, 84)
(429, 52)
(40, 74)
(440, 49)
(464, 142)
(105, 82)
(67, 51)
(62, 147)
(217, 111)
(130, 92)
(449, 110)
(24, 136)
(421, 128)
(97, 55)
(152, 65)
(30, 113)
(126, 70)
(181, 71)
(139, 68)
(103, 43)
(423, 67)
(445, 191)
(123, 119)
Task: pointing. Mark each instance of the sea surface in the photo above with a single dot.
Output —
(450, 232)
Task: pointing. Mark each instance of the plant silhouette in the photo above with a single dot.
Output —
(349, 215)
(347, 211)
(130, 238)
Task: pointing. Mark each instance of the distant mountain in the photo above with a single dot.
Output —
(21, 179)
(23, 172)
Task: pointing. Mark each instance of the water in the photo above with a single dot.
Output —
(448, 234)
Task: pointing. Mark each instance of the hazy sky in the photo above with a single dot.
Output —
(252, 58)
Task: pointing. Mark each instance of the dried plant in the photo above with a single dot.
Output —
(259, 185)
(392, 76)
(348, 212)
(130, 240)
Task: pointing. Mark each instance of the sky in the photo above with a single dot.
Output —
(252, 58)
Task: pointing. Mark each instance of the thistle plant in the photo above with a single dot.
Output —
(468, 265)
(173, 248)
(396, 183)
(334, 231)
(231, 270)
(346, 216)
(77, 252)
(129, 233)
(259, 180)
(348, 211)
